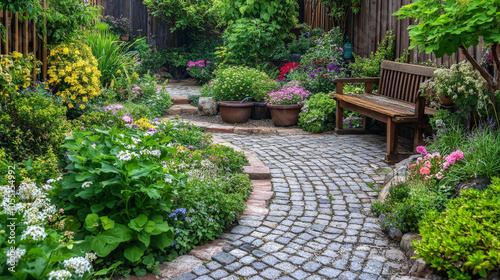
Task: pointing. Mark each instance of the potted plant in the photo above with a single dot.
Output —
(285, 105)
(233, 87)
(119, 26)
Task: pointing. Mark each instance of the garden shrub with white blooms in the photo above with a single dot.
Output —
(33, 245)
(118, 190)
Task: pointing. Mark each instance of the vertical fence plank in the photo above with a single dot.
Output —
(44, 46)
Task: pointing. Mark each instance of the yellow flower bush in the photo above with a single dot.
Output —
(73, 74)
(15, 72)
(144, 124)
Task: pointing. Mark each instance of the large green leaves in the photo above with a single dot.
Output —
(443, 27)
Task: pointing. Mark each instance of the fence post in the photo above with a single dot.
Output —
(44, 46)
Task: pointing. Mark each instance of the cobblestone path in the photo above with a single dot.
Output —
(319, 225)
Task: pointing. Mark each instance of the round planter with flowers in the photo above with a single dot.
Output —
(285, 105)
(235, 85)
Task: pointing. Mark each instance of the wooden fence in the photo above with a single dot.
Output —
(369, 27)
(22, 36)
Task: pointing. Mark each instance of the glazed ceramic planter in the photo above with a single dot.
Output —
(235, 111)
(260, 111)
(285, 115)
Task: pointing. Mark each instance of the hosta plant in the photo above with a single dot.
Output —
(118, 190)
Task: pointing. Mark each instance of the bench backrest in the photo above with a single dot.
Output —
(401, 80)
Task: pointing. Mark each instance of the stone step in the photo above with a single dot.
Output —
(182, 109)
(180, 100)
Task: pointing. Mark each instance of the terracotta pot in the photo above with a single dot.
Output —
(445, 100)
(260, 111)
(235, 111)
(285, 115)
(125, 37)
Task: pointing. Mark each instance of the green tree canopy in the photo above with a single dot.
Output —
(444, 26)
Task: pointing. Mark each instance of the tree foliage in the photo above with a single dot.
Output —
(280, 13)
(184, 13)
(444, 26)
(340, 8)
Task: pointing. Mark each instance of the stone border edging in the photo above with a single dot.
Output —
(260, 175)
(230, 128)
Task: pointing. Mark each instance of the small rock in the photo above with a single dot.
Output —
(224, 258)
(179, 266)
(207, 106)
(407, 243)
(296, 84)
(420, 269)
(478, 184)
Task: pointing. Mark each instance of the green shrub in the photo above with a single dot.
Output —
(235, 83)
(408, 203)
(370, 67)
(32, 126)
(463, 241)
(250, 41)
(67, 19)
(282, 14)
(117, 189)
(318, 114)
(186, 134)
(212, 205)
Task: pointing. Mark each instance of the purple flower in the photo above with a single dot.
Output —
(82, 128)
(312, 76)
(190, 147)
(127, 119)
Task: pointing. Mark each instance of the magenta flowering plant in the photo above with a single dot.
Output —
(288, 96)
(200, 70)
(432, 166)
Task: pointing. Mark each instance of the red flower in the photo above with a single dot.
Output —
(286, 68)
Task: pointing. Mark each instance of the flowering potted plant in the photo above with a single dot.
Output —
(285, 105)
(233, 87)
(119, 26)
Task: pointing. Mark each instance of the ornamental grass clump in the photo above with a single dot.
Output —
(288, 96)
(74, 74)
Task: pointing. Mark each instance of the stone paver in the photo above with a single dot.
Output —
(318, 224)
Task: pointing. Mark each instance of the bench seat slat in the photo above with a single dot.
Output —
(381, 104)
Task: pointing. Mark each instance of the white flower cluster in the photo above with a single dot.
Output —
(136, 140)
(91, 257)
(36, 233)
(61, 274)
(86, 184)
(35, 205)
(156, 153)
(16, 255)
(126, 155)
(130, 146)
(204, 170)
(78, 265)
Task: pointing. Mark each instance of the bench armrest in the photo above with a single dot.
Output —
(368, 81)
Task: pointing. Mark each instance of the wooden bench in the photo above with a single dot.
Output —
(397, 101)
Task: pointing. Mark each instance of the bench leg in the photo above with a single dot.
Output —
(392, 138)
(418, 138)
(339, 117)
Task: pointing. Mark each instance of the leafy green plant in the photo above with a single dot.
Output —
(339, 9)
(32, 125)
(201, 71)
(66, 20)
(205, 200)
(463, 241)
(196, 14)
(282, 14)
(445, 26)
(235, 83)
(370, 67)
(318, 114)
(408, 203)
(250, 41)
(117, 189)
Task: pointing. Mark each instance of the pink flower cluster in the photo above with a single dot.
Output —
(127, 119)
(199, 63)
(288, 96)
(113, 108)
(432, 165)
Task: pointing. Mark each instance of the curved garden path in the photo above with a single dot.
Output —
(319, 225)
